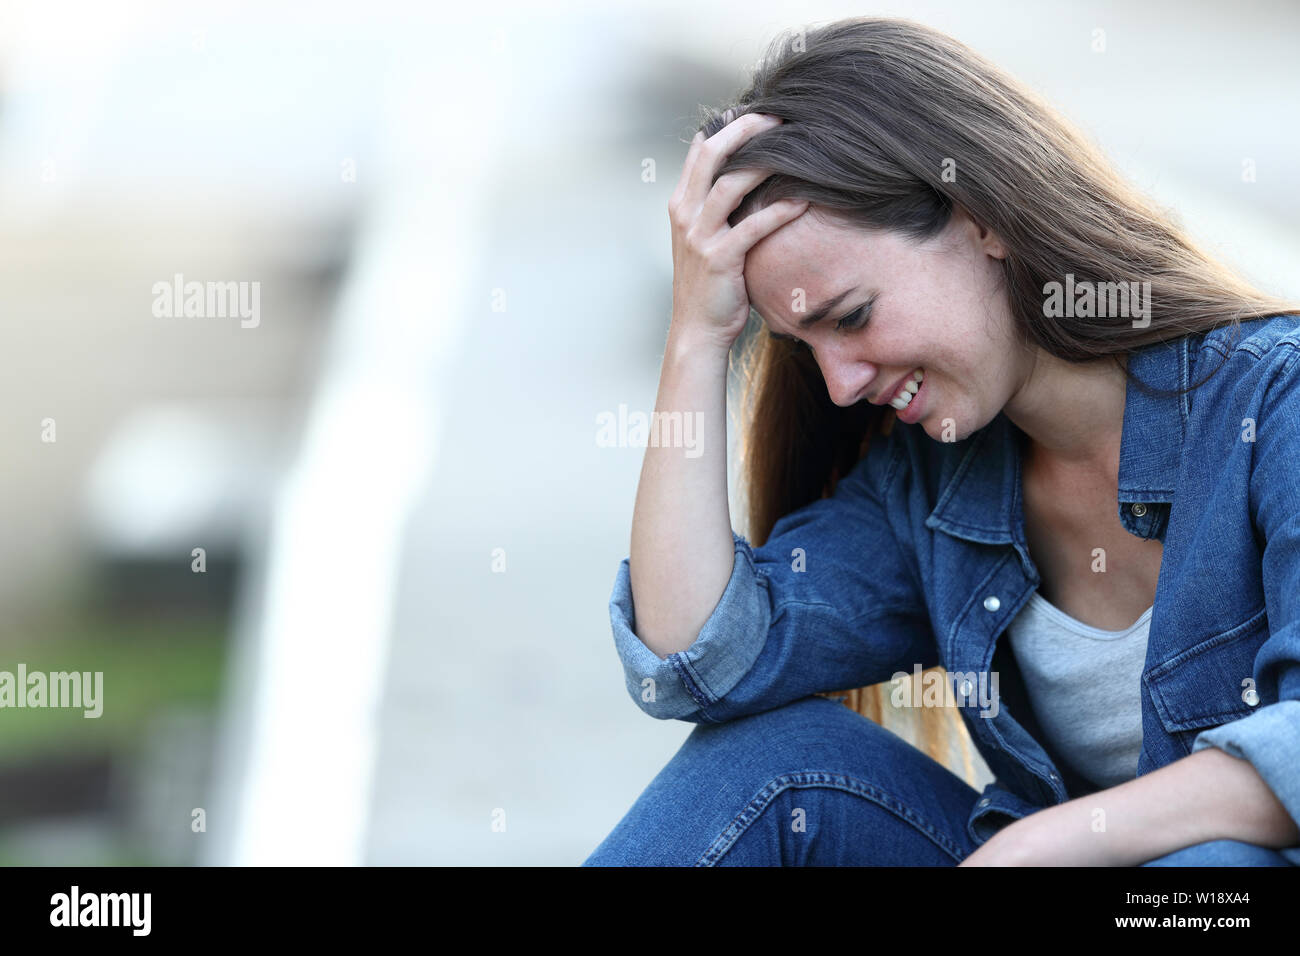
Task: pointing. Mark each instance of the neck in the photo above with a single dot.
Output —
(1072, 413)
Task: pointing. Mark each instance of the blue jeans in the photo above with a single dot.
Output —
(813, 783)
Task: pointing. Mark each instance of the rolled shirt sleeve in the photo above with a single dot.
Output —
(724, 651)
(831, 601)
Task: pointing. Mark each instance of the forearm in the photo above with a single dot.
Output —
(682, 550)
(1209, 795)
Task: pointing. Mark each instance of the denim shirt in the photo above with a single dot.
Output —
(919, 557)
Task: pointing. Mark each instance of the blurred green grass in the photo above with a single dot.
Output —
(117, 853)
(149, 662)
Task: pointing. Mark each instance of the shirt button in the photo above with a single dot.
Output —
(991, 603)
(1139, 509)
(1053, 777)
(1250, 697)
(984, 802)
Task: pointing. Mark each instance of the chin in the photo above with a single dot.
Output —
(936, 422)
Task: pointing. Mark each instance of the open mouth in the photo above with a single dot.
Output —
(908, 390)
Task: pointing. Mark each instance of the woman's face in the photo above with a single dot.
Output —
(937, 306)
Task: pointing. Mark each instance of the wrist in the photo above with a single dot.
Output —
(689, 344)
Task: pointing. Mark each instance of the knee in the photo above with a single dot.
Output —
(814, 818)
(724, 773)
(607, 854)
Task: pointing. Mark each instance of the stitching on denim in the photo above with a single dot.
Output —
(819, 778)
(1251, 348)
(982, 588)
(966, 463)
(876, 611)
(1195, 723)
(950, 646)
(892, 470)
(683, 669)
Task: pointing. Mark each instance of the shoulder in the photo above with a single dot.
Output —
(1247, 359)
(1267, 336)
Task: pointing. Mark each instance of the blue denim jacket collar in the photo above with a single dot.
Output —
(981, 502)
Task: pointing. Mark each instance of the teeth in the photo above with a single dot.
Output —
(904, 396)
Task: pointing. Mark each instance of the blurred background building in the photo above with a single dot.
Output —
(345, 568)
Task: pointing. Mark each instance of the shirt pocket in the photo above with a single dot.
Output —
(1202, 686)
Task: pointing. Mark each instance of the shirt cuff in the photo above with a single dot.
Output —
(1270, 740)
(724, 651)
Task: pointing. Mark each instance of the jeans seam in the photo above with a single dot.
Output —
(819, 778)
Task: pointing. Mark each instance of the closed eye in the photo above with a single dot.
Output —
(850, 321)
(857, 318)
(854, 320)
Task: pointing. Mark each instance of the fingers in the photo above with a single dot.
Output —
(706, 157)
(725, 196)
(691, 153)
(762, 223)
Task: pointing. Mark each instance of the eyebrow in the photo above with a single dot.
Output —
(816, 315)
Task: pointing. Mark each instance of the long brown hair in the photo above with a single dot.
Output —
(889, 124)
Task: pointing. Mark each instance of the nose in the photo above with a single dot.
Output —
(846, 380)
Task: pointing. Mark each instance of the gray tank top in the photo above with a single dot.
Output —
(1083, 685)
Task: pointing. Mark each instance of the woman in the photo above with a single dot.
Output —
(1087, 505)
